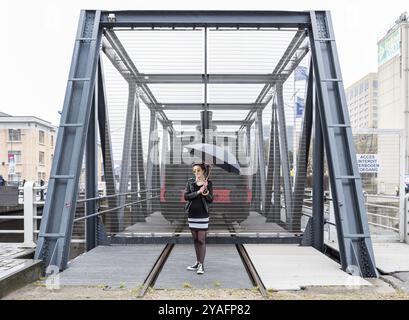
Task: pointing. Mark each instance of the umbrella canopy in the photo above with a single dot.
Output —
(221, 157)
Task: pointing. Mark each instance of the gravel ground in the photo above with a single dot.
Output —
(38, 291)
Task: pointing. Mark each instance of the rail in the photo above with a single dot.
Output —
(31, 196)
(383, 210)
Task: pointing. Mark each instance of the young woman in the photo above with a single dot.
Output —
(199, 193)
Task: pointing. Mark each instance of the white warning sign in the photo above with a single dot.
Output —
(367, 163)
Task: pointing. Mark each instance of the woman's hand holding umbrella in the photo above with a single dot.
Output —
(205, 192)
(203, 188)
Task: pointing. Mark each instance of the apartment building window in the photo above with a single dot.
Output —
(41, 159)
(14, 135)
(15, 177)
(17, 156)
(41, 136)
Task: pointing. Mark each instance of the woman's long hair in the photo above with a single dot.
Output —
(205, 167)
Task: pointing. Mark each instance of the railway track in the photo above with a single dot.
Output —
(160, 262)
(162, 258)
(251, 270)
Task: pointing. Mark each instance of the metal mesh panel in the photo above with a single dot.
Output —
(160, 164)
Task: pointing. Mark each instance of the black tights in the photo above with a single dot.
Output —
(199, 239)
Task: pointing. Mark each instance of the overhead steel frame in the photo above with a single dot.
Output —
(332, 130)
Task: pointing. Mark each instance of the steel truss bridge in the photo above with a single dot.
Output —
(325, 130)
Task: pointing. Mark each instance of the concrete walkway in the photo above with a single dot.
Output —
(390, 256)
(16, 267)
(292, 267)
(114, 266)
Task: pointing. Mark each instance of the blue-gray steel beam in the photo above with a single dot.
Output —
(270, 168)
(208, 78)
(156, 171)
(54, 238)
(150, 159)
(302, 157)
(214, 122)
(210, 106)
(248, 138)
(136, 208)
(318, 185)
(141, 170)
(91, 175)
(126, 152)
(187, 18)
(285, 167)
(106, 146)
(276, 209)
(261, 159)
(355, 245)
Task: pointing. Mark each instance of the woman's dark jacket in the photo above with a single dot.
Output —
(190, 194)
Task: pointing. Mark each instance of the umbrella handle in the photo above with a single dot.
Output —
(206, 191)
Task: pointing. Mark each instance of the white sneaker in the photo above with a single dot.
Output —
(194, 267)
(200, 269)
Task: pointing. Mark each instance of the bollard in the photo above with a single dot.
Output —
(30, 210)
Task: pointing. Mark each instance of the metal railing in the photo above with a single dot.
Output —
(31, 199)
(383, 211)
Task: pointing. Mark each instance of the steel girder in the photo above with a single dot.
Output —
(208, 78)
(149, 18)
(317, 225)
(91, 174)
(210, 106)
(355, 245)
(106, 146)
(285, 168)
(58, 216)
(126, 151)
(302, 157)
(276, 207)
(261, 159)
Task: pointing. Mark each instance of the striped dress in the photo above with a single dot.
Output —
(198, 218)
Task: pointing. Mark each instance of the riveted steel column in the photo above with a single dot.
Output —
(53, 244)
(284, 153)
(151, 159)
(91, 175)
(156, 172)
(318, 185)
(106, 147)
(354, 238)
(261, 159)
(302, 159)
(126, 153)
(270, 166)
(137, 213)
(141, 170)
(276, 209)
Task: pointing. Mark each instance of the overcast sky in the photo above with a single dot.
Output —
(38, 38)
